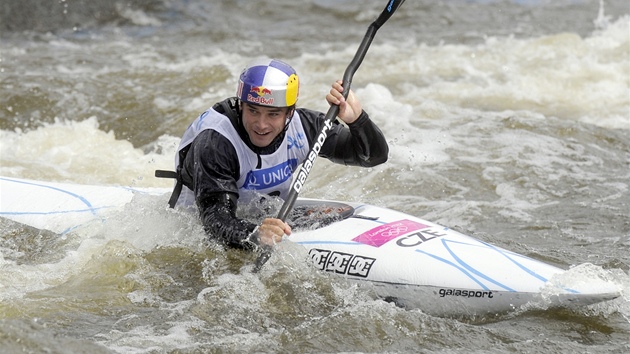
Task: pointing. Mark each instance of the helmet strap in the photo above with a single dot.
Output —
(289, 117)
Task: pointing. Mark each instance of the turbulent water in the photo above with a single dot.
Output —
(507, 120)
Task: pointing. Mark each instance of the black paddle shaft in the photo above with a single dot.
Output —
(331, 115)
(334, 109)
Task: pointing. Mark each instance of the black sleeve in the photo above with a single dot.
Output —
(211, 165)
(218, 214)
(211, 169)
(358, 144)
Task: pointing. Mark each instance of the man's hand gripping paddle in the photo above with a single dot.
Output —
(331, 115)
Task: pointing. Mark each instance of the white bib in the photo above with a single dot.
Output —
(276, 169)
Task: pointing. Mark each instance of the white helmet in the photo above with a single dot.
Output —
(268, 82)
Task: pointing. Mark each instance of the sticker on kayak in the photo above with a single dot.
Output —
(380, 235)
(342, 263)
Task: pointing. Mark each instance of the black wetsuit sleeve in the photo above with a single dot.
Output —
(358, 144)
(218, 214)
(211, 169)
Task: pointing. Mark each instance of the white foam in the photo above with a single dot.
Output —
(562, 75)
(81, 152)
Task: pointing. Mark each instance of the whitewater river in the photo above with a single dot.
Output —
(507, 120)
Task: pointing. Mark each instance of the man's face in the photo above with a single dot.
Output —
(263, 124)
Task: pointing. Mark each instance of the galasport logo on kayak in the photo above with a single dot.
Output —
(466, 293)
(308, 164)
(260, 93)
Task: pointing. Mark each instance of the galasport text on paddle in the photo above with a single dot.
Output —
(307, 165)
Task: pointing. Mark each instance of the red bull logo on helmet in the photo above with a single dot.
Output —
(258, 95)
(260, 90)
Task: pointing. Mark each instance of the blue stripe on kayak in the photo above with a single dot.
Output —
(52, 212)
(90, 209)
(471, 269)
(458, 267)
(69, 229)
(529, 271)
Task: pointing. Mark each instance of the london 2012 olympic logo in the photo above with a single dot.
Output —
(382, 234)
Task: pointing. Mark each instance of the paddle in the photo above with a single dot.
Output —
(331, 115)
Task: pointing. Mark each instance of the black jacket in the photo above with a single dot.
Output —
(210, 166)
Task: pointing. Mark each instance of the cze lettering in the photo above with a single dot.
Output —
(308, 164)
(466, 293)
(417, 238)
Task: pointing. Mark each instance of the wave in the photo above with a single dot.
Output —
(43, 16)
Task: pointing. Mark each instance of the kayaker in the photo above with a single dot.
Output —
(253, 142)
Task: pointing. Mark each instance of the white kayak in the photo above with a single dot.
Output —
(410, 261)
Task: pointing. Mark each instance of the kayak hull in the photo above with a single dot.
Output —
(412, 262)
